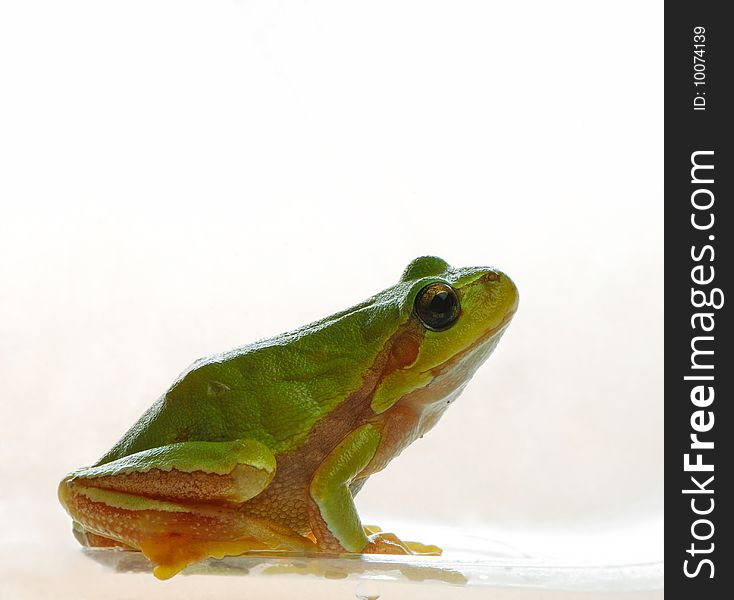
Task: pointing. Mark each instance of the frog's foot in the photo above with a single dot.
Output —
(381, 542)
(171, 553)
(179, 504)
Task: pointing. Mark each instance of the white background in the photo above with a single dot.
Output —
(179, 178)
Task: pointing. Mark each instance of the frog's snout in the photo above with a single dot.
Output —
(502, 290)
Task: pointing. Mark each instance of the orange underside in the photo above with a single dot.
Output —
(173, 540)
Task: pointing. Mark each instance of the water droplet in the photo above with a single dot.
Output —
(367, 591)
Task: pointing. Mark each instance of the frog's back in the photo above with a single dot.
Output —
(272, 391)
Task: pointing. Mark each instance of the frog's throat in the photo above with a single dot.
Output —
(443, 383)
(461, 355)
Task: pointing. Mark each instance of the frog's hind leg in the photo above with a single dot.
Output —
(90, 539)
(180, 504)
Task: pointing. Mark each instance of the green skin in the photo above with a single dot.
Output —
(261, 405)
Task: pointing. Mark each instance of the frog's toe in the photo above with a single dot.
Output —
(423, 549)
(388, 543)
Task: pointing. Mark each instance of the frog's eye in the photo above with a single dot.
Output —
(437, 306)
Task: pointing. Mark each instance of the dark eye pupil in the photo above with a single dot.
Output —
(441, 303)
(437, 306)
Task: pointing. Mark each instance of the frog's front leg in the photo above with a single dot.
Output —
(180, 503)
(333, 516)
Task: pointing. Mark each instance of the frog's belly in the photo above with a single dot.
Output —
(285, 500)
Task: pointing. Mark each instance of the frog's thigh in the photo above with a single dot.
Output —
(212, 472)
(334, 518)
(180, 503)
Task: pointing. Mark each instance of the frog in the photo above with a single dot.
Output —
(263, 448)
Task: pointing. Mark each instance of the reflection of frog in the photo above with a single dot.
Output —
(265, 446)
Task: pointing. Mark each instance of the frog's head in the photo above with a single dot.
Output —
(452, 321)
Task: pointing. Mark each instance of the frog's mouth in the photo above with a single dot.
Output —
(462, 356)
(448, 378)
